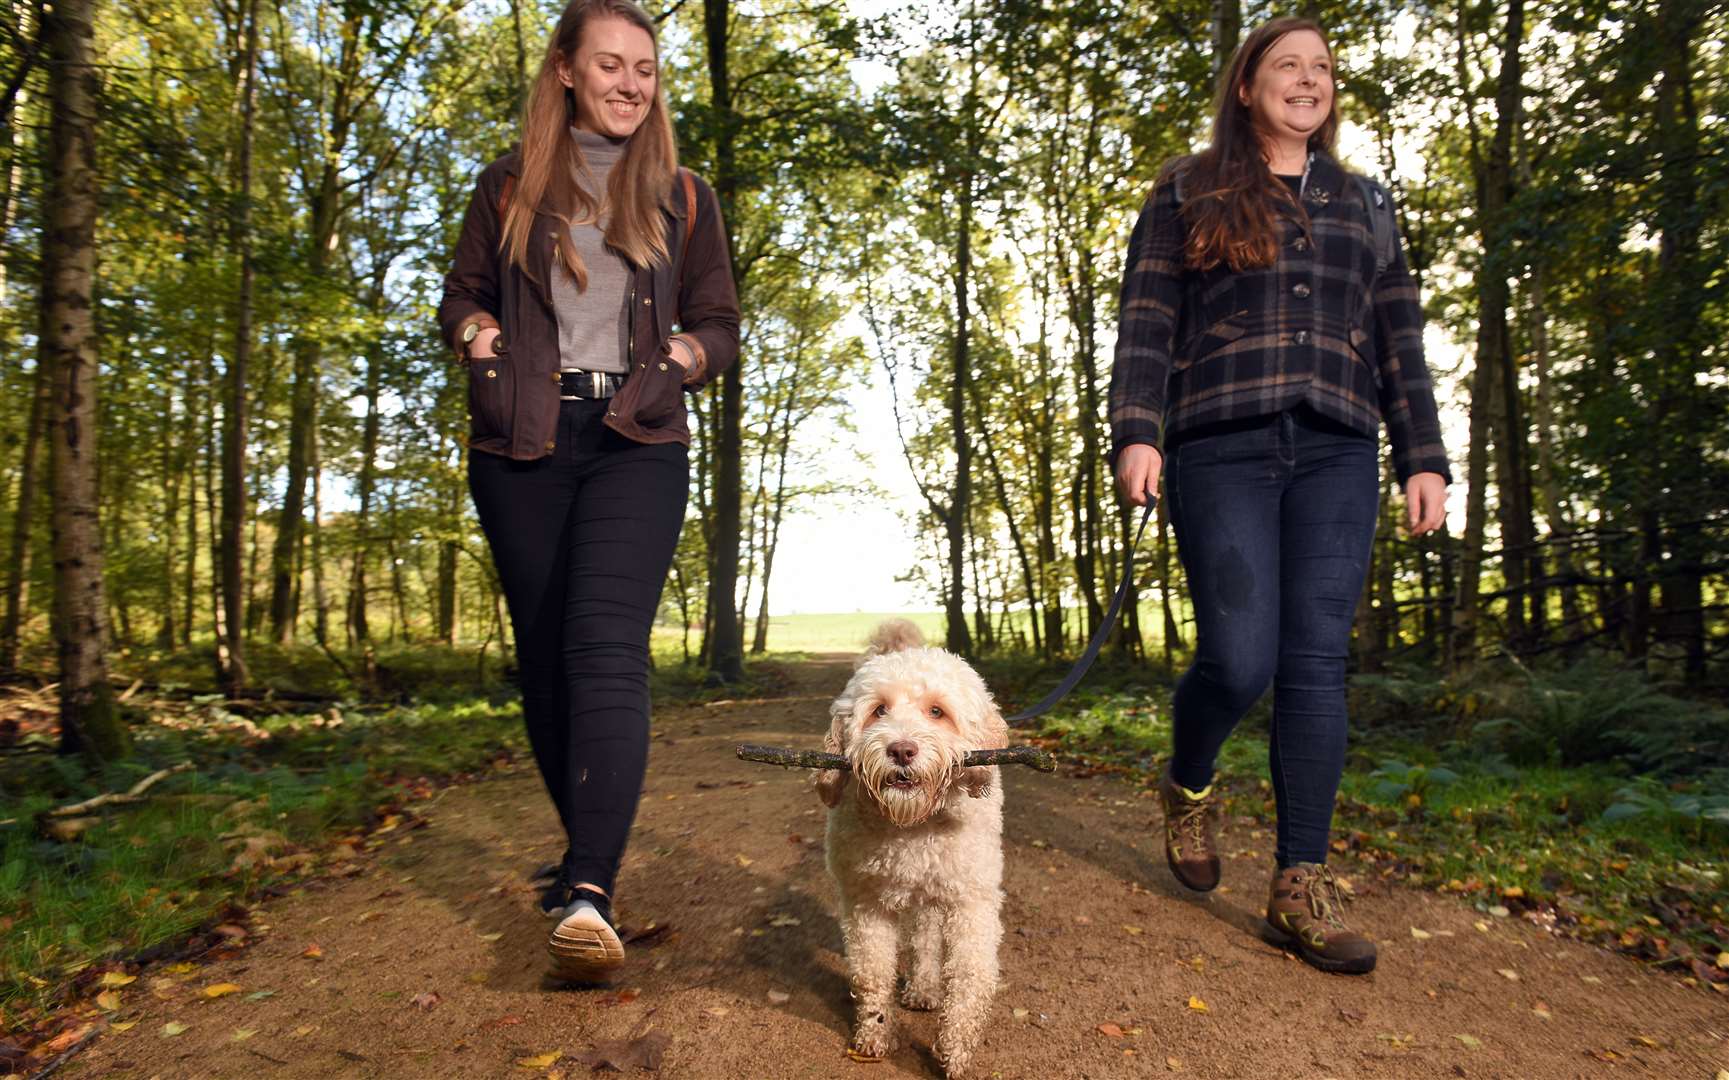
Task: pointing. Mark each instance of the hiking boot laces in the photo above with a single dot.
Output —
(1326, 897)
(1192, 819)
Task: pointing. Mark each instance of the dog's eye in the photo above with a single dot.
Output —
(936, 712)
(882, 709)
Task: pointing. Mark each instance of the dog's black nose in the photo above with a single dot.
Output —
(903, 752)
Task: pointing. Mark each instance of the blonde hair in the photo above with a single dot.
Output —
(640, 184)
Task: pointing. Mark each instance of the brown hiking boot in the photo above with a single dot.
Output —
(1303, 914)
(1189, 844)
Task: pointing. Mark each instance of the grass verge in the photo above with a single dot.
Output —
(1464, 795)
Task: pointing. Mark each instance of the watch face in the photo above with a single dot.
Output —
(472, 331)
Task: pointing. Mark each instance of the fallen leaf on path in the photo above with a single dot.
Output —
(312, 952)
(1481, 925)
(107, 1001)
(425, 1001)
(717, 1011)
(1592, 979)
(627, 1054)
(173, 1028)
(1541, 1011)
(540, 1061)
(862, 1059)
(742, 859)
(1471, 1042)
(1022, 1014)
(1133, 931)
(494, 936)
(112, 979)
(1499, 911)
(778, 997)
(1197, 1004)
(784, 920)
(1175, 1064)
(123, 1025)
(1646, 1040)
(652, 934)
(182, 968)
(242, 1034)
(1110, 1031)
(260, 995)
(216, 990)
(1420, 935)
(1082, 920)
(1508, 974)
(1397, 1042)
(1352, 1015)
(302, 1032)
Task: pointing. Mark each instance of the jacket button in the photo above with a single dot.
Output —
(550, 445)
(1301, 337)
(557, 378)
(663, 367)
(643, 364)
(1301, 244)
(492, 373)
(499, 346)
(612, 414)
(1300, 290)
(648, 301)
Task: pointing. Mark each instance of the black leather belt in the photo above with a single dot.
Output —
(588, 384)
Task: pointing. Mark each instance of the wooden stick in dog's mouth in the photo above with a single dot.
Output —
(1042, 760)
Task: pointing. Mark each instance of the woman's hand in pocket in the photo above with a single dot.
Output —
(1138, 468)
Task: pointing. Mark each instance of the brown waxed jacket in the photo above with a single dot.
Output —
(513, 399)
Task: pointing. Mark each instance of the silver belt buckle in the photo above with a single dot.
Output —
(597, 383)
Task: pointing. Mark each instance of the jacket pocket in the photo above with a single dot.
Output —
(1363, 347)
(491, 393)
(660, 393)
(1211, 340)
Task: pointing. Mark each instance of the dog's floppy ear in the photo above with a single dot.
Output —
(831, 783)
(994, 735)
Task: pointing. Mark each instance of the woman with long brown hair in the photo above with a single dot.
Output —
(580, 256)
(1270, 325)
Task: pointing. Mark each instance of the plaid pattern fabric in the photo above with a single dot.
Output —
(1317, 327)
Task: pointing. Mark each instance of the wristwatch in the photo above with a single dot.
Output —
(472, 330)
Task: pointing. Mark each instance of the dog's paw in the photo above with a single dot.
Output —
(921, 998)
(955, 1059)
(874, 1037)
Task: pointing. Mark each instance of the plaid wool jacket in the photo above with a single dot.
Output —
(1317, 327)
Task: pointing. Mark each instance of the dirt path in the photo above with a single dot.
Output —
(432, 955)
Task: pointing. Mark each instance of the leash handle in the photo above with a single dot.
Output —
(1079, 671)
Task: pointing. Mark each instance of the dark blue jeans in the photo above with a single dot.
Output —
(1274, 520)
(583, 540)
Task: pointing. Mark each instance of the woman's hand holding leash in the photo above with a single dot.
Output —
(1138, 467)
(1425, 503)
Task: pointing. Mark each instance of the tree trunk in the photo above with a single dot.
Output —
(1227, 26)
(18, 582)
(723, 646)
(234, 673)
(89, 720)
(326, 210)
(958, 639)
(1685, 416)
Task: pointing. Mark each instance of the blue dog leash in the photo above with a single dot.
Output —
(1079, 671)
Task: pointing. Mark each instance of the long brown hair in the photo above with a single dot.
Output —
(1232, 199)
(640, 184)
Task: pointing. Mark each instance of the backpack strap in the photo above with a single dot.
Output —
(1383, 226)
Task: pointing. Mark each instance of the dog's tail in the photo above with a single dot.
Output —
(894, 635)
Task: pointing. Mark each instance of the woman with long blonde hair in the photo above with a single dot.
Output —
(590, 289)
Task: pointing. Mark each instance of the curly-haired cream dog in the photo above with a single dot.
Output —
(918, 841)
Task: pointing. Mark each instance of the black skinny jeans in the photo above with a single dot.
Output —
(583, 541)
(1274, 519)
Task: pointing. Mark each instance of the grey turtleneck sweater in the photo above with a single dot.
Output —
(594, 325)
